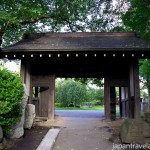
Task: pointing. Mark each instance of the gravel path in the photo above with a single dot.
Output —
(82, 130)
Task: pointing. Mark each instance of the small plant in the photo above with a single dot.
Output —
(11, 95)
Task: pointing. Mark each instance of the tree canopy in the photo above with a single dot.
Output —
(18, 17)
(137, 18)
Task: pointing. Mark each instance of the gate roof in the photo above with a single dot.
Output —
(106, 42)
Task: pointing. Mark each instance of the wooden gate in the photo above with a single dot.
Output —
(43, 88)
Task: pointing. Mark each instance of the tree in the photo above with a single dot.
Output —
(97, 81)
(70, 93)
(106, 15)
(18, 16)
(145, 73)
(95, 96)
(22, 16)
(137, 18)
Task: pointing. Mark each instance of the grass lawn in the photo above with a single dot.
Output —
(82, 108)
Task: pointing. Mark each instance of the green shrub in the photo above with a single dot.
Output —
(11, 95)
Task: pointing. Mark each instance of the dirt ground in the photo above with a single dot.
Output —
(29, 141)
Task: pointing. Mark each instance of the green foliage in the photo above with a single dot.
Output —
(106, 16)
(22, 16)
(95, 96)
(70, 93)
(145, 72)
(11, 94)
(137, 17)
(97, 81)
(74, 93)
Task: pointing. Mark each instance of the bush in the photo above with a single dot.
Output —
(11, 95)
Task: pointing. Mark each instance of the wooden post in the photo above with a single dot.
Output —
(134, 100)
(22, 71)
(120, 102)
(52, 97)
(26, 78)
(113, 102)
(107, 98)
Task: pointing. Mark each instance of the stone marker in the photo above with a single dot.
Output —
(29, 116)
(18, 129)
(135, 131)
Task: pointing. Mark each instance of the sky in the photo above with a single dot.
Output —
(12, 66)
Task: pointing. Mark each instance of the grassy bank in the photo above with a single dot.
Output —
(81, 108)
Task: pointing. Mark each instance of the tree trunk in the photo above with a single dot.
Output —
(1, 37)
(149, 97)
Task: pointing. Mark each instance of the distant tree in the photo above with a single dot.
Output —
(96, 81)
(95, 96)
(74, 93)
(70, 93)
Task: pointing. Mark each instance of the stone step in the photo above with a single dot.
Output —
(49, 139)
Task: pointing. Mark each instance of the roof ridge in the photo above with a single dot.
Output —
(78, 34)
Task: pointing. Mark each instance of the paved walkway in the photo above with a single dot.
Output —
(80, 130)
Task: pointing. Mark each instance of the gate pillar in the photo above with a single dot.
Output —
(26, 78)
(134, 99)
(107, 98)
(52, 97)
